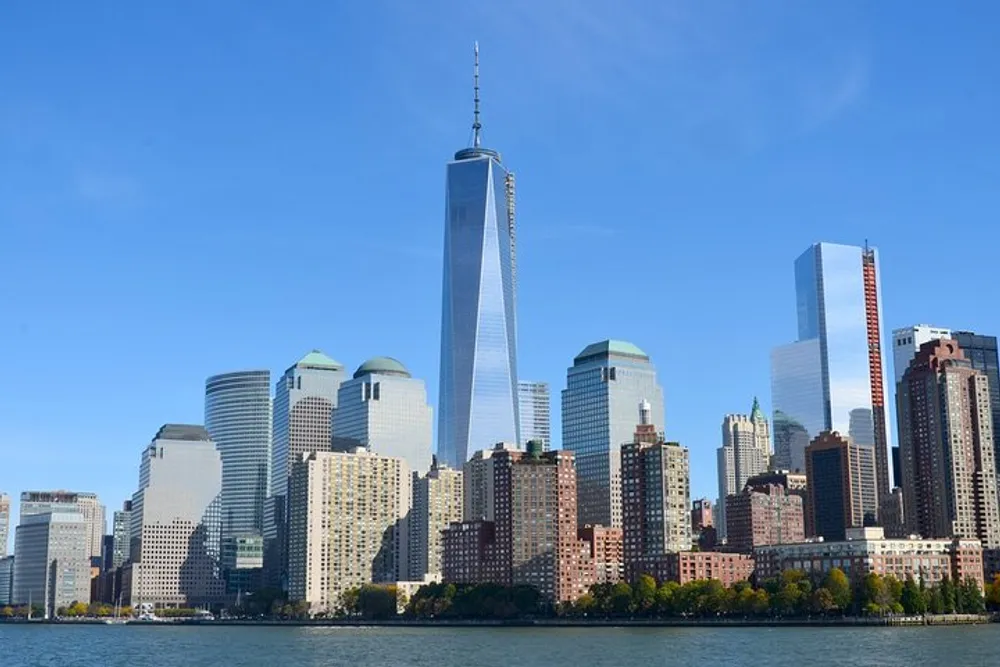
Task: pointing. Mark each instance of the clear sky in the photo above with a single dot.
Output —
(188, 188)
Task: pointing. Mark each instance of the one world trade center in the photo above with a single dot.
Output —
(478, 401)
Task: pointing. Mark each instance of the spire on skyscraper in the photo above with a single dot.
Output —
(476, 125)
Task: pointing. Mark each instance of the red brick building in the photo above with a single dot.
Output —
(763, 515)
(686, 566)
(604, 549)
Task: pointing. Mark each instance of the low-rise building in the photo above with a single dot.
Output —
(867, 550)
(686, 566)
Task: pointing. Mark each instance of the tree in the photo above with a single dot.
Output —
(349, 601)
(971, 597)
(840, 588)
(7, 611)
(912, 598)
(876, 594)
(77, 609)
(947, 595)
(665, 597)
(761, 602)
(585, 604)
(787, 600)
(644, 593)
(377, 601)
(822, 601)
(621, 598)
(993, 593)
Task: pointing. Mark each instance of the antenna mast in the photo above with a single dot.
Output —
(476, 126)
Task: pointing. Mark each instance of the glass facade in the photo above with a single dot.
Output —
(478, 388)
(238, 419)
(600, 412)
(535, 413)
(825, 380)
(386, 410)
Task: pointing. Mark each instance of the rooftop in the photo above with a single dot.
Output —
(382, 366)
(317, 359)
(191, 432)
(620, 348)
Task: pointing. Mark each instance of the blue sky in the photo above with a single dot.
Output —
(188, 188)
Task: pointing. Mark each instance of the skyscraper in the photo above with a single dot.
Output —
(51, 560)
(478, 478)
(385, 408)
(534, 408)
(842, 487)
(656, 496)
(905, 343)
(121, 525)
(745, 452)
(981, 352)
(946, 446)
(726, 469)
(347, 524)
(238, 419)
(304, 401)
(88, 504)
(607, 381)
(437, 503)
(478, 403)
(832, 377)
(4, 523)
(176, 522)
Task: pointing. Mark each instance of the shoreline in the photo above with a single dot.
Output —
(844, 622)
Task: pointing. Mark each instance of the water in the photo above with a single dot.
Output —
(131, 646)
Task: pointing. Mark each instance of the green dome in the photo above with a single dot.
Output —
(382, 366)
(611, 347)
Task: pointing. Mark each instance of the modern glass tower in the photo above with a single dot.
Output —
(385, 409)
(478, 403)
(832, 377)
(238, 419)
(604, 387)
(534, 406)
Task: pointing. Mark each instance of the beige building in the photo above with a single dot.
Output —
(4, 523)
(946, 446)
(348, 524)
(478, 483)
(437, 502)
(745, 452)
(176, 522)
(88, 504)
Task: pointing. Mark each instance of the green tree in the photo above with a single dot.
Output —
(377, 602)
(585, 604)
(666, 597)
(948, 601)
(761, 602)
(972, 597)
(912, 598)
(993, 594)
(349, 602)
(644, 593)
(822, 601)
(77, 609)
(621, 598)
(787, 601)
(7, 611)
(894, 589)
(840, 588)
(876, 594)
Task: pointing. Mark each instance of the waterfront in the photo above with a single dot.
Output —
(134, 646)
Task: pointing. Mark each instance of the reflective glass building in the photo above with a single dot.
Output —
(832, 377)
(478, 387)
(238, 419)
(600, 412)
(534, 407)
(385, 409)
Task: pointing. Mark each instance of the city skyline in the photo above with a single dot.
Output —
(559, 228)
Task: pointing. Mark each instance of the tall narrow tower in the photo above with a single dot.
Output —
(478, 405)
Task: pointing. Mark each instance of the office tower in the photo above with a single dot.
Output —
(831, 378)
(347, 524)
(534, 408)
(656, 496)
(242, 557)
(603, 387)
(385, 409)
(905, 343)
(437, 503)
(4, 523)
(304, 401)
(176, 522)
(478, 389)
(51, 558)
(6, 580)
(981, 353)
(761, 515)
(478, 478)
(40, 502)
(946, 446)
(121, 525)
(842, 488)
(726, 469)
(238, 420)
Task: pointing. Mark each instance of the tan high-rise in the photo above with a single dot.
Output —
(348, 524)
(437, 502)
(946, 446)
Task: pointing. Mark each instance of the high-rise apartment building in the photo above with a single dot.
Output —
(478, 402)
(121, 525)
(304, 400)
(238, 419)
(761, 515)
(607, 381)
(347, 524)
(831, 378)
(702, 515)
(384, 408)
(437, 503)
(981, 353)
(88, 504)
(842, 488)
(51, 559)
(4, 523)
(604, 547)
(946, 446)
(176, 522)
(656, 496)
(535, 408)
(905, 343)
(478, 478)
